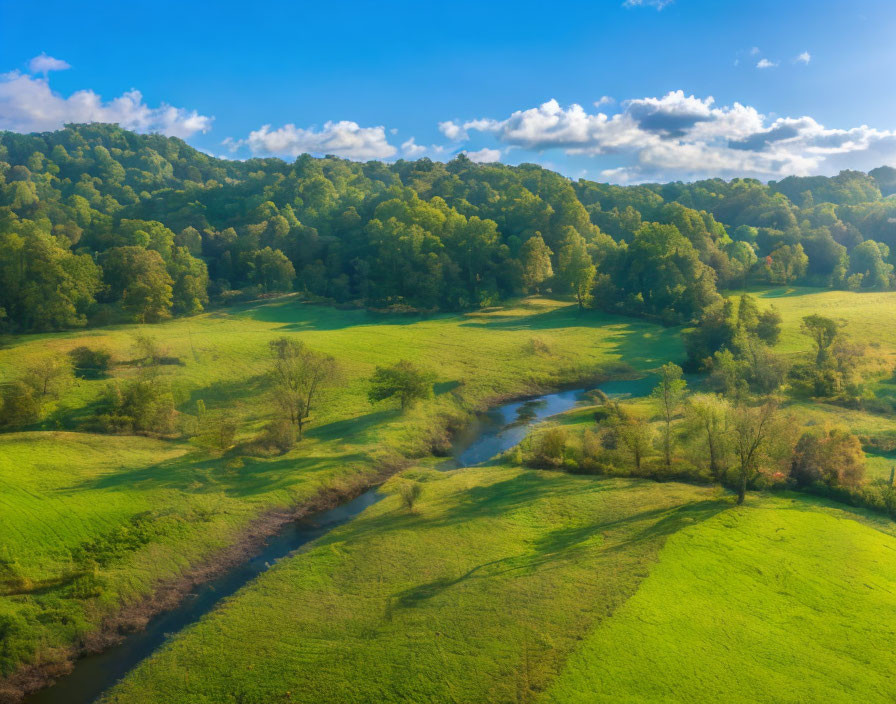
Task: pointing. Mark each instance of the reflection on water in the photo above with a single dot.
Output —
(501, 428)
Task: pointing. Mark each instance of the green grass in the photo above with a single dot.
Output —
(60, 489)
(484, 593)
(865, 315)
(475, 597)
(775, 602)
(512, 585)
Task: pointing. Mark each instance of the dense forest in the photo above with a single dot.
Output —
(101, 225)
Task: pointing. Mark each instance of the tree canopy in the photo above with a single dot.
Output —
(99, 224)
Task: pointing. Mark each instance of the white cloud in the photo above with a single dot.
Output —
(412, 149)
(344, 138)
(754, 51)
(683, 136)
(765, 63)
(604, 100)
(658, 4)
(27, 104)
(452, 131)
(805, 57)
(44, 64)
(483, 156)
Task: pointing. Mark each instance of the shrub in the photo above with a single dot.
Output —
(20, 405)
(537, 346)
(90, 363)
(834, 458)
(409, 491)
(138, 405)
(279, 434)
(552, 446)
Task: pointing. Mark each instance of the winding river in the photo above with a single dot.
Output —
(495, 431)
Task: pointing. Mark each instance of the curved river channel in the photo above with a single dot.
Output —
(495, 431)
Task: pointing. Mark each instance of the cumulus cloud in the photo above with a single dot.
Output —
(44, 64)
(344, 138)
(452, 131)
(27, 104)
(483, 156)
(804, 58)
(684, 136)
(765, 63)
(412, 149)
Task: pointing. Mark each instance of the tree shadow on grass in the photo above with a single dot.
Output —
(647, 348)
(226, 393)
(360, 429)
(540, 319)
(295, 316)
(574, 543)
(197, 473)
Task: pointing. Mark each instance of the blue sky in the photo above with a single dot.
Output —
(690, 89)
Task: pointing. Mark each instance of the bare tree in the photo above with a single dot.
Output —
(298, 376)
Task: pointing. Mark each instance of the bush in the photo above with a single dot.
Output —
(552, 446)
(90, 363)
(279, 434)
(140, 405)
(20, 405)
(409, 491)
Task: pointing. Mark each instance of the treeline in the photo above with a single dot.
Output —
(98, 224)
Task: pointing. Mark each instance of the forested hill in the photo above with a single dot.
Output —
(98, 224)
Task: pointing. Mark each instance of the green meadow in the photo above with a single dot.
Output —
(510, 585)
(158, 507)
(503, 584)
(866, 315)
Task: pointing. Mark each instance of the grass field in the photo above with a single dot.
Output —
(504, 585)
(781, 601)
(866, 316)
(512, 585)
(475, 597)
(61, 489)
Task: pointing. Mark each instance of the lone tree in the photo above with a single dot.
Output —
(403, 380)
(756, 435)
(298, 376)
(823, 331)
(669, 393)
(49, 376)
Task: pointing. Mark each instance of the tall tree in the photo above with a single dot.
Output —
(669, 393)
(823, 332)
(299, 376)
(709, 415)
(139, 279)
(535, 256)
(575, 268)
(756, 433)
